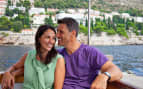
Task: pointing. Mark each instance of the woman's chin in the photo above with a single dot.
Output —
(48, 49)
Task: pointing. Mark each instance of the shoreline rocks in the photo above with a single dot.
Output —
(104, 39)
(95, 39)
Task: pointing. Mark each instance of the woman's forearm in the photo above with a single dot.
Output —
(18, 72)
(11, 69)
(18, 67)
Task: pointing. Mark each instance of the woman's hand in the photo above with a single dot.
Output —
(8, 81)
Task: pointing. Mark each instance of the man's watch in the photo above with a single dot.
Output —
(107, 74)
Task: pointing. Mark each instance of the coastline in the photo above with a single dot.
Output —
(95, 39)
(113, 40)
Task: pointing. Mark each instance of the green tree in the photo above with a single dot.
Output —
(109, 23)
(142, 32)
(9, 12)
(4, 34)
(38, 4)
(27, 5)
(139, 26)
(92, 24)
(61, 4)
(86, 22)
(9, 3)
(17, 26)
(111, 31)
(121, 30)
(49, 21)
(99, 27)
(5, 23)
(16, 10)
(83, 29)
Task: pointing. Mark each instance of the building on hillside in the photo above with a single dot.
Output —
(27, 32)
(20, 8)
(80, 10)
(33, 11)
(16, 1)
(108, 15)
(71, 11)
(3, 5)
(115, 13)
(125, 15)
(52, 10)
(77, 16)
(38, 20)
(138, 19)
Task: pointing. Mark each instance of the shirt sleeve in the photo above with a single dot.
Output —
(97, 59)
(60, 56)
(61, 51)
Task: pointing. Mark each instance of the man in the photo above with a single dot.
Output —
(83, 62)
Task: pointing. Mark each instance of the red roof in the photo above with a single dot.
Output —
(27, 30)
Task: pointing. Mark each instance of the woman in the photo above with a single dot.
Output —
(43, 67)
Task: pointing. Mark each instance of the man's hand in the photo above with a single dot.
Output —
(100, 82)
(8, 81)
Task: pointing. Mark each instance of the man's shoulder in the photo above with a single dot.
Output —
(88, 48)
(61, 50)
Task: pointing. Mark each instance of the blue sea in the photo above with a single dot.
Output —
(129, 58)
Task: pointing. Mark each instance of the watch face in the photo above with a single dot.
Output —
(107, 74)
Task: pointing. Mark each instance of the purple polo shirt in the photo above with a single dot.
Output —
(82, 66)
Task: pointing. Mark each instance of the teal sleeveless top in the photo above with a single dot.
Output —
(38, 75)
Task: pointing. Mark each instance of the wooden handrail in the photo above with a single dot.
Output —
(111, 85)
(18, 79)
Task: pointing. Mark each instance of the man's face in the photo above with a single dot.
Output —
(63, 35)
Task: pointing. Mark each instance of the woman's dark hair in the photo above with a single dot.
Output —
(39, 33)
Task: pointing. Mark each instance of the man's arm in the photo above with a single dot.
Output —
(113, 70)
(101, 80)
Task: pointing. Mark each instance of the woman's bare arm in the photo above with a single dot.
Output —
(59, 74)
(18, 65)
(15, 70)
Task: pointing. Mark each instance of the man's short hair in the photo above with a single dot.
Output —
(71, 24)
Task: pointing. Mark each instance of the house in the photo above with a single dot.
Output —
(27, 32)
(52, 10)
(3, 5)
(108, 15)
(138, 19)
(19, 8)
(36, 11)
(38, 20)
(125, 15)
(115, 13)
(79, 17)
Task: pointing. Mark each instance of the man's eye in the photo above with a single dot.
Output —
(47, 37)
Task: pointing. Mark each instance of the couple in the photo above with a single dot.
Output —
(76, 66)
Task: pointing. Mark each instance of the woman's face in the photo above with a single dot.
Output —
(47, 40)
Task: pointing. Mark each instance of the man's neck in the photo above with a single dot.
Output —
(72, 47)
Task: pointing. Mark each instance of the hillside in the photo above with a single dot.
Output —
(119, 4)
(134, 7)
